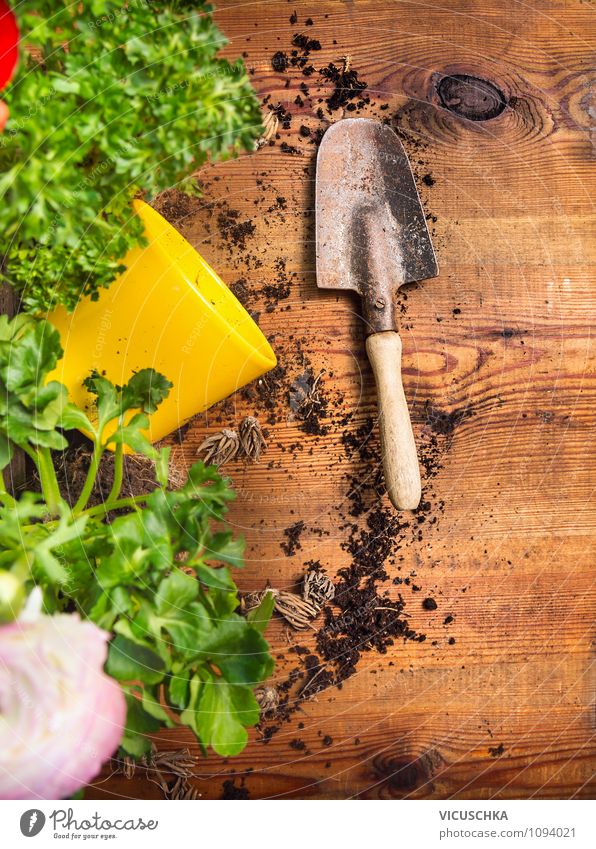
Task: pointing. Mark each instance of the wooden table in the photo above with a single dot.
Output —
(499, 374)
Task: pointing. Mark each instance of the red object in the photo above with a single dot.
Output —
(9, 43)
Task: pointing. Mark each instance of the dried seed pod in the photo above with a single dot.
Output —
(249, 601)
(125, 766)
(220, 447)
(178, 762)
(270, 126)
(252, 439)
(180, 789)
(267, 699)
(318, 587)
(296, 610)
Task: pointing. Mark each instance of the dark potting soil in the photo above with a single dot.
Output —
(292, 538)
(231, 791)
(305, 43)
(445, 423)
(279, 61)
(233, 229)
(175, 206)
(346, 86)
(73, 463)
(283, 116)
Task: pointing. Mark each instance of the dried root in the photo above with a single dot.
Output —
(223, 446)
(249, 601)
(179, 762)
(181, 790)
(220, 447)
(252, 439)
(318, 587)
(270, 127)
(296, 610)
(267, 699)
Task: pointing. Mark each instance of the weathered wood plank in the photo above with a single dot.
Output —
(502, 339)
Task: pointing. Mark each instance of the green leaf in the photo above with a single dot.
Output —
(131, 435)
(218, 579)
(50, 567)
(106, 398)
(227, 549)
(175, 593)
(135, 744)
(189, 714)
(128, 661)
(259, 616)
(145, 391)
(178, 690)
(73, 418)
(162, 465)
(248, 661)
(152, 706)
(5, 451)
(237, 649)
(139, 723)
(184, 634)
(224, 711)
(29, 354)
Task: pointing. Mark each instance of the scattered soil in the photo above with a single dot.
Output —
(233, 229)
(279, 61)
(305, 43)
(445, 423)
(292, 535)
(231, 791)
(175, 206)
(346, 87)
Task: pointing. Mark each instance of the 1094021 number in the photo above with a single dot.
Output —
(560, 831)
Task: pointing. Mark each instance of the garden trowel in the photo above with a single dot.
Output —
(372, 238)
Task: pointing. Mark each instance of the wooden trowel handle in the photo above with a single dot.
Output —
(400, 461)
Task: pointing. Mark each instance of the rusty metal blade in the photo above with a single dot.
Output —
(371, 231)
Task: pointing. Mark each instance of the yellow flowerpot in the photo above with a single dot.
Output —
(169, 311)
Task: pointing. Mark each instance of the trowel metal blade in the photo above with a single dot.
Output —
(370, 225)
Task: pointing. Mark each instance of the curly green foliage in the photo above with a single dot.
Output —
(158, 576)
(109, 101)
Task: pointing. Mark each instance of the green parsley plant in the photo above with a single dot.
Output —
(157, 574)
(110, 101)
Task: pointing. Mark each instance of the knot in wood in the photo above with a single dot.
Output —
(471, 97)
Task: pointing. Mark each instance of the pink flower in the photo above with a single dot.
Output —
(61, 716)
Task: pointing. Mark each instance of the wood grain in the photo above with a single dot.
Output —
(503, 337)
